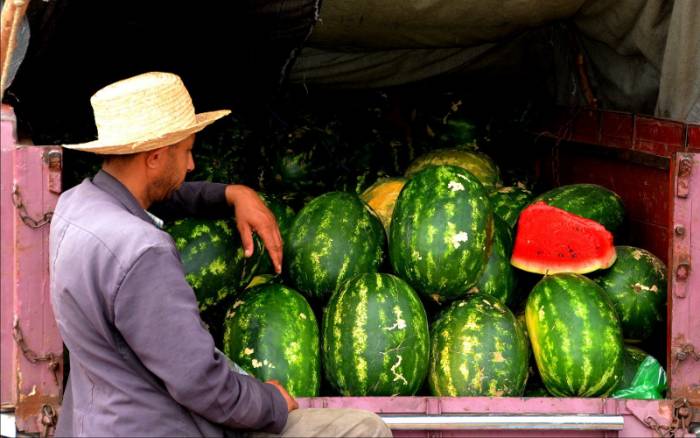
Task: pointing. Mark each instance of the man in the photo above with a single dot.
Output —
(141, 362)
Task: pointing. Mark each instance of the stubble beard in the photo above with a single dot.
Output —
(165, 185)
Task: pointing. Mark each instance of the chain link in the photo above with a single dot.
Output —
(680, 421)
(49, 418)
(31, 356)
(24, 215)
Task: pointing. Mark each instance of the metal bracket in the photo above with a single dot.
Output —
(53, 158)
(685, 169)
(684, 352)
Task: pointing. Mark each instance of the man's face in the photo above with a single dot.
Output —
(177, 163)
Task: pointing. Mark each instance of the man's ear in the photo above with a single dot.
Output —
(156, 157)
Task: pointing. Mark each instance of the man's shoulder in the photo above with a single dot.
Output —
(100, 222)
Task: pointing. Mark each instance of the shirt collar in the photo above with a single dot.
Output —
(114, 187)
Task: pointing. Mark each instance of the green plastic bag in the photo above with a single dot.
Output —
(649, 382)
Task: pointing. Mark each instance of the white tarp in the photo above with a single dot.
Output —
(641, 55)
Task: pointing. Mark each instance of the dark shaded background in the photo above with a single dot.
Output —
(229, 54)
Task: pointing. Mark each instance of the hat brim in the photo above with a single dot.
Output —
(109, 148)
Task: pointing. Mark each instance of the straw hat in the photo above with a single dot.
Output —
(144, 112)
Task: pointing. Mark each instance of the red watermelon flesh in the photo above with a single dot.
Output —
(550, 240)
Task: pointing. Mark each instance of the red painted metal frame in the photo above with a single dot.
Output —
(622, 130)
(656, 209)
(25, 280)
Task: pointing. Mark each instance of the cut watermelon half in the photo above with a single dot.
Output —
(550, 240)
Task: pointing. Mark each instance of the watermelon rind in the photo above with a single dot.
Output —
(333, 238)
(478, 348)
(591, 201)
(477, 163)
(375, 337)
(575, 336)
(272, 333)
(636, 283)
(498, 278)
(441, 232)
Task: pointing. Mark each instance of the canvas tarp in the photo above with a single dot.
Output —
(641, 55)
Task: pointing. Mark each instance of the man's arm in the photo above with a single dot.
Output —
(200, 199)
(208, 200)
(156, 312)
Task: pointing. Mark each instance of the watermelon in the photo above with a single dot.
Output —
(381, 197)
(534, 386)
(478, 348)
(631, 359)
(441, 232)
(508, 202)
(457, 132)
(302, 158)
(375, 337)
(551, 240)
(284, 216)
(212, 257)
(477, 163)
(637, 285)
(498, 278)
(575, 335)
(590, 201)
(272, 333)
(333, 238)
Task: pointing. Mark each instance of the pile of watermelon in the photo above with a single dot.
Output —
(424, 276)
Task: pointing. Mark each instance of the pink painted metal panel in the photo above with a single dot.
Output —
(8, 392)
(634, 412)
(685, 279)
(35, 186)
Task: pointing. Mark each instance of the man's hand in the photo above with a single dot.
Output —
(252, 215)
(291, 403)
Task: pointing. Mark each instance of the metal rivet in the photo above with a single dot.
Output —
(679, 230)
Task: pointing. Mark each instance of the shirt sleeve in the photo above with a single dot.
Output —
(156, 312)
(200, 199)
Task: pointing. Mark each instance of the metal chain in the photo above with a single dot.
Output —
(31, 356)
(28, 220)
(680, 421)
(49, 418)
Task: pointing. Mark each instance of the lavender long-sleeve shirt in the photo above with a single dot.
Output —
(141, 363)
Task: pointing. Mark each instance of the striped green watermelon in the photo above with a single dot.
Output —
(575, 335)
(631, 359)
(478, 348)
(457, 132)
(636, 282)
(284, 216)
(508, 202)
(498, 278)
(590, 201)
(381, 197)
(375, 337)
(272, 333)
(212, 257)
(477, 163)
(334, 237)
(534, 386)
(441, 232)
